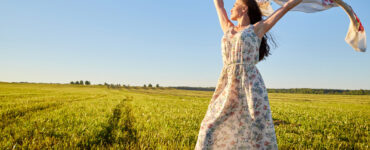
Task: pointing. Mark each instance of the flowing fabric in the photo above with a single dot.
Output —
(238, 115)
(356, 35)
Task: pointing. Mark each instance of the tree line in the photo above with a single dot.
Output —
(118, 86)
(293, 90)
(111, 85)
(81, 82)
(320, 91)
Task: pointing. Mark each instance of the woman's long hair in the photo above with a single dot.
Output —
(255, 15)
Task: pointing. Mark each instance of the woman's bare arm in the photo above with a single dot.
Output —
(264, 26)
(222, 15)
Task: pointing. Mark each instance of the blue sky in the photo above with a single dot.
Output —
(172, 43)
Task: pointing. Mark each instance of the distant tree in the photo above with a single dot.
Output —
(361, 92)
(157, 85)
(144, 86)
(87, 82)
(72, 82)
(150, 85)
(113, 86)
(105, 83)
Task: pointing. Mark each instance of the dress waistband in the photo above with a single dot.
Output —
(236, 64)
(249, 67)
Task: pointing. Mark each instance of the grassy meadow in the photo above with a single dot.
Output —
(35, 116)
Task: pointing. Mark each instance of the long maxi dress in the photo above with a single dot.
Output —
(238, 115)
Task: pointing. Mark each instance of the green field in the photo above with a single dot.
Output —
(35, 116)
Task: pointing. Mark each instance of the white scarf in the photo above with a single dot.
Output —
(356, 35)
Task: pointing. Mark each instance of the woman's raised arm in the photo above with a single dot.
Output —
(264, 26)
(222, 15)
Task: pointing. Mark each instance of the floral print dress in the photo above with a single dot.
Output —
(238, 115)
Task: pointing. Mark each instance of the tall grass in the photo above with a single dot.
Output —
(36, 116)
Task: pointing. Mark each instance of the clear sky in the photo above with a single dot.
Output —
(172, 43)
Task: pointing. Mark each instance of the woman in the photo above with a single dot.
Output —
(238, 115)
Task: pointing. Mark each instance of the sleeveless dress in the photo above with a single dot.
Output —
(238, 115)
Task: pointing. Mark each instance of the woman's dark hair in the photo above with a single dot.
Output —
(255, 15)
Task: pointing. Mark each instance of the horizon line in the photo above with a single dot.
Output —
(164, 86)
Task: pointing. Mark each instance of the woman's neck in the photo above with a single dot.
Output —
(243, 21)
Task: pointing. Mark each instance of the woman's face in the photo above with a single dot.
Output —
(238, 10)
